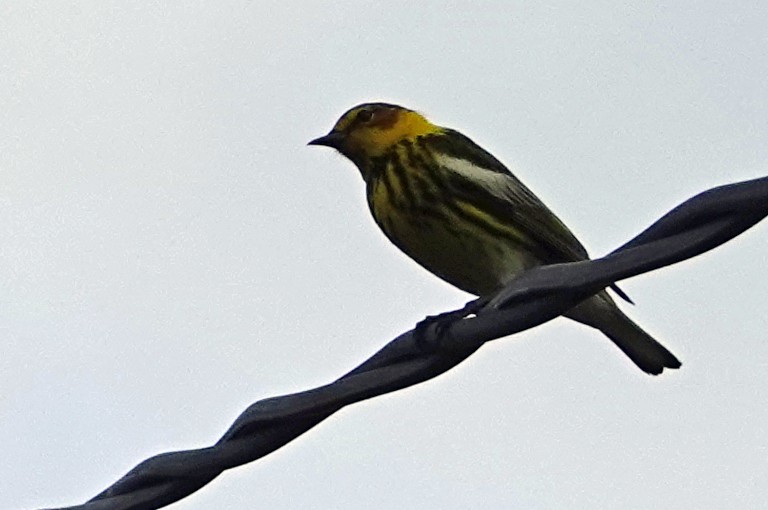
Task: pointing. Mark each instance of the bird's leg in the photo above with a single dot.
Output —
(437, 324)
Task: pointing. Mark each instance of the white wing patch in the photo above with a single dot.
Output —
(494, 182)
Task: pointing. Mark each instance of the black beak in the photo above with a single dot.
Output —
(333, 139)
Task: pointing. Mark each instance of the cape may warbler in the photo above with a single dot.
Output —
(460, 213)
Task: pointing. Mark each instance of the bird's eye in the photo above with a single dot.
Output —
(364, 116)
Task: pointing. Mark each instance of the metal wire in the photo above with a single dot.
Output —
(539, 295)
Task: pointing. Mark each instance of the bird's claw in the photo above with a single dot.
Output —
(430, 330)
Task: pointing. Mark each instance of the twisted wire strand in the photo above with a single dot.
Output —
(537, 296)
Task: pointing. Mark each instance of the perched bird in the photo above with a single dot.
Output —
(460, 213)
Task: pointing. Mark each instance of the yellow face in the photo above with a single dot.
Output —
(368, 130)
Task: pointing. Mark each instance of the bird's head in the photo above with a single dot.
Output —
(369, 130)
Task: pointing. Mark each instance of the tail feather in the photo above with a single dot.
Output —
(642, 348)
(602, 313)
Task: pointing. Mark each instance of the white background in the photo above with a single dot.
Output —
(171, 250)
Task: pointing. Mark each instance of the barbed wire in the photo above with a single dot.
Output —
(536, 296)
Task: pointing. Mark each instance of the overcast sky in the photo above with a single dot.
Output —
(171, 250)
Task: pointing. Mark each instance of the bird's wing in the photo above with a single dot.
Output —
(484, 181)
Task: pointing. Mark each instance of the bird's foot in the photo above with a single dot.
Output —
(430, 330)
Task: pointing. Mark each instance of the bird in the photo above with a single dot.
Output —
(460, 213)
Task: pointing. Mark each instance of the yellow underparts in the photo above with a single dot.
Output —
(473, 250)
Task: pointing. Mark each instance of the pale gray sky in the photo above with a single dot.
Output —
(173, 251)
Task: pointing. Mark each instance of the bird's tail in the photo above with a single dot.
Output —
(602, 313)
